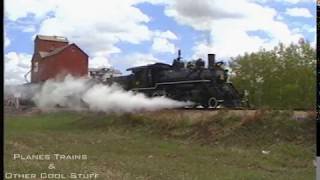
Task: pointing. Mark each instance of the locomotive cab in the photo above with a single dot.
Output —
(147, 76)
(141, 78)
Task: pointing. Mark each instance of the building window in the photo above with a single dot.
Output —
(36, 67)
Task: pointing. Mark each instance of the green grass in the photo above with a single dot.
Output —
(166, 145)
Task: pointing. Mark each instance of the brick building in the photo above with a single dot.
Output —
(54, 57)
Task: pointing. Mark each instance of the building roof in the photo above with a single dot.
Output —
(44, 54)
(52, 38)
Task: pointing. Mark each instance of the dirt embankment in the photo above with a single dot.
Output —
(208, 127)
(169, 144)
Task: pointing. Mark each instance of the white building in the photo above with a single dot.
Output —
(103, 73)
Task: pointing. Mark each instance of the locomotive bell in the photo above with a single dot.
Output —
(211, 60)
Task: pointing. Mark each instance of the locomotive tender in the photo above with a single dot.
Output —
(192, 81)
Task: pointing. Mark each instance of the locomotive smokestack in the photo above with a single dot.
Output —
(211, 60)
(179, 55)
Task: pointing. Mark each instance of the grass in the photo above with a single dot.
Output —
(166, 145)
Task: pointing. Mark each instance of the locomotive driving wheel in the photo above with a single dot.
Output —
(212, 102)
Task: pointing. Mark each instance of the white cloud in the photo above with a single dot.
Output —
(162, 45)
(298, 12)
(15, 67)
(139, 59)
(15, 9)
(103, 24)
(96, 26)
(286, 1)
(161, 42)
(133, 59)
(228, 24)
(29, 28)
(296, 1)
(308, 28)
(314, 41)
(99, 62)
(201, 49)
(279, 17)
(6, 40)
(165, 34)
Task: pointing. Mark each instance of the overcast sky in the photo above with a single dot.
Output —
(126, 33)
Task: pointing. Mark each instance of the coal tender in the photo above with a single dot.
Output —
(191, 81)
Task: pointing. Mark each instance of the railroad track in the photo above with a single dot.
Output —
(297, 114)
(238, 109)
(24, 107)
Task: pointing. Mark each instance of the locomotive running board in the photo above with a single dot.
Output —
(170, 83)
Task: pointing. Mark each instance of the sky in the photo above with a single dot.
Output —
(127, 33)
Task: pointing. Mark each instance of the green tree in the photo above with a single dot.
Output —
(284, 77)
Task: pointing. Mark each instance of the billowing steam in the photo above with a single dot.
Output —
(21, 91)
(82, 93)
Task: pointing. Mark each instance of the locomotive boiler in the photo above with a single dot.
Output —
(207, 86)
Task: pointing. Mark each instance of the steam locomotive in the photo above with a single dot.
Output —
(191, 81)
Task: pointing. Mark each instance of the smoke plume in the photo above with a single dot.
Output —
(83, 93)
(25, 92)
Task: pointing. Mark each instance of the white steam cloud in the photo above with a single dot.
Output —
(79, 93)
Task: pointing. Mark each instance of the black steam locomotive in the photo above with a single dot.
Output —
(192, 81)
